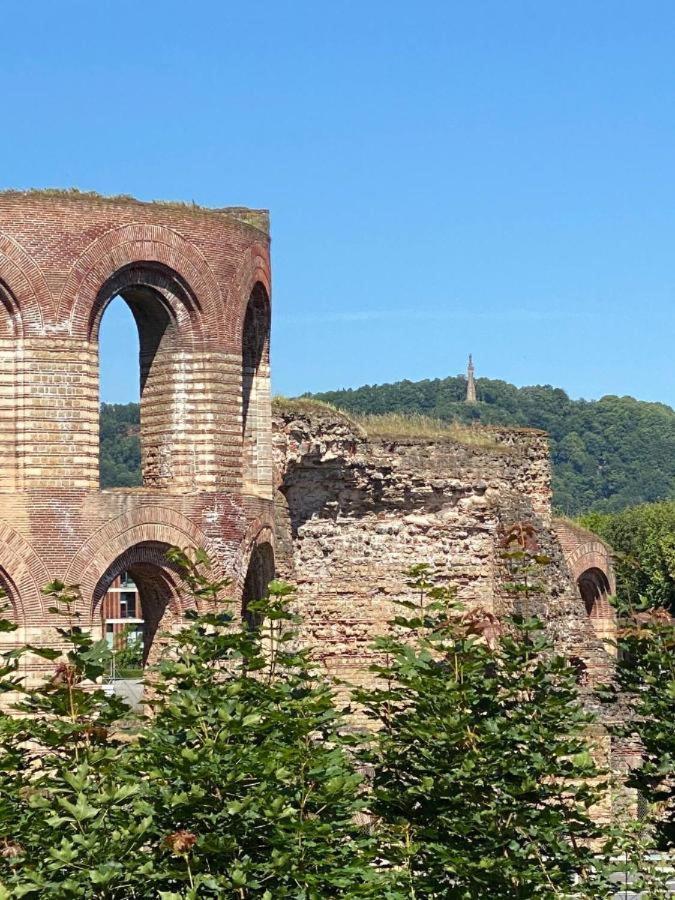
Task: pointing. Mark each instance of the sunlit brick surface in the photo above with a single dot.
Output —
(189, 276)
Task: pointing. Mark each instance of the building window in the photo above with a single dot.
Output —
(128, 605)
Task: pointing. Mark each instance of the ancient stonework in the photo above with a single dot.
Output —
(354, 512)
(589, 563)
(340, 513)
(198, 284)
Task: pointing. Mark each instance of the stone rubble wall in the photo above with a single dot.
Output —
(353, 514)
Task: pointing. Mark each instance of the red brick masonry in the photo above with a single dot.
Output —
(198, 284)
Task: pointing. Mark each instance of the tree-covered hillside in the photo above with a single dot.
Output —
(120, 457)
(607, 454)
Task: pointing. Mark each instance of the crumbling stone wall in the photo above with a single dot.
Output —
(353, 513)
(198, 284)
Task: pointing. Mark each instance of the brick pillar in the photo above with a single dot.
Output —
(57, 428)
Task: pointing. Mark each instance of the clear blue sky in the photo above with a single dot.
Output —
(444, 177)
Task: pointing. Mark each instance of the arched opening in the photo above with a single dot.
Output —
(594, 588)
(137, 600)
(119, 396)
(10, 603)
(256, 408)
(258, 576)
(162, 308)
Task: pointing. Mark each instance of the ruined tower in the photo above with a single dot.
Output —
(198, 284)
(470, 382)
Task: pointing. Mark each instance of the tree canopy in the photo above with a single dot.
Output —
(607, 454)
(120, 456)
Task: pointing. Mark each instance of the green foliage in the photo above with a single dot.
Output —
(646, 675)
(245, 780)
(607, 454)
(129, 656)
(246, 753)
(120, 454)
(482, 775)
(69, 807)
(643, 541)
(240, 784)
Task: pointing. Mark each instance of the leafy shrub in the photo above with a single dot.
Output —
(483, 780)
(247, 781)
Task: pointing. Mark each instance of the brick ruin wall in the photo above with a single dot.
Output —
(198, 284)
(354, 513)
(340, 515)
(309, 495)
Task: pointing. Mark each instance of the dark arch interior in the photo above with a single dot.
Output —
(10, 313)
(255, 345)
(145, 569)
(258, 576)
(593, 586)
(10, 607)
(163, 310)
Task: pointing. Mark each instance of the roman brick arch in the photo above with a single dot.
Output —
(150, 524)
(256, 399)
(589, 562)
(176, 303)
(594, 588)
(258, 532)
(253, 269)
(137, 542)
(258, 570)
(168, 318)
(157, 295)
(23, 281)
(591, 566)
(250, 291)
(188, 276)
(144, 246)
(25, 300)
(22, 576)
(159, 586)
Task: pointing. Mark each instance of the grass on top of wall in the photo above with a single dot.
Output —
(256, 218)
(402, 426)
(392, 426)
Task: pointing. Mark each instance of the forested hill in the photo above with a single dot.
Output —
(120, 456)
(607, 454)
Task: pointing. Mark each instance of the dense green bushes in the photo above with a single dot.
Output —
(248, 780)
(482, 777)
(239, 785)
(643, 541)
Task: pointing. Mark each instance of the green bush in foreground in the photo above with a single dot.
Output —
(244, 781)
(643, 540)
(646, 674)
(483, 781)
(254, 791)
(240, 784)
(70, 806)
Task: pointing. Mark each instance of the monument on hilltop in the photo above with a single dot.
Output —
(470, 382)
